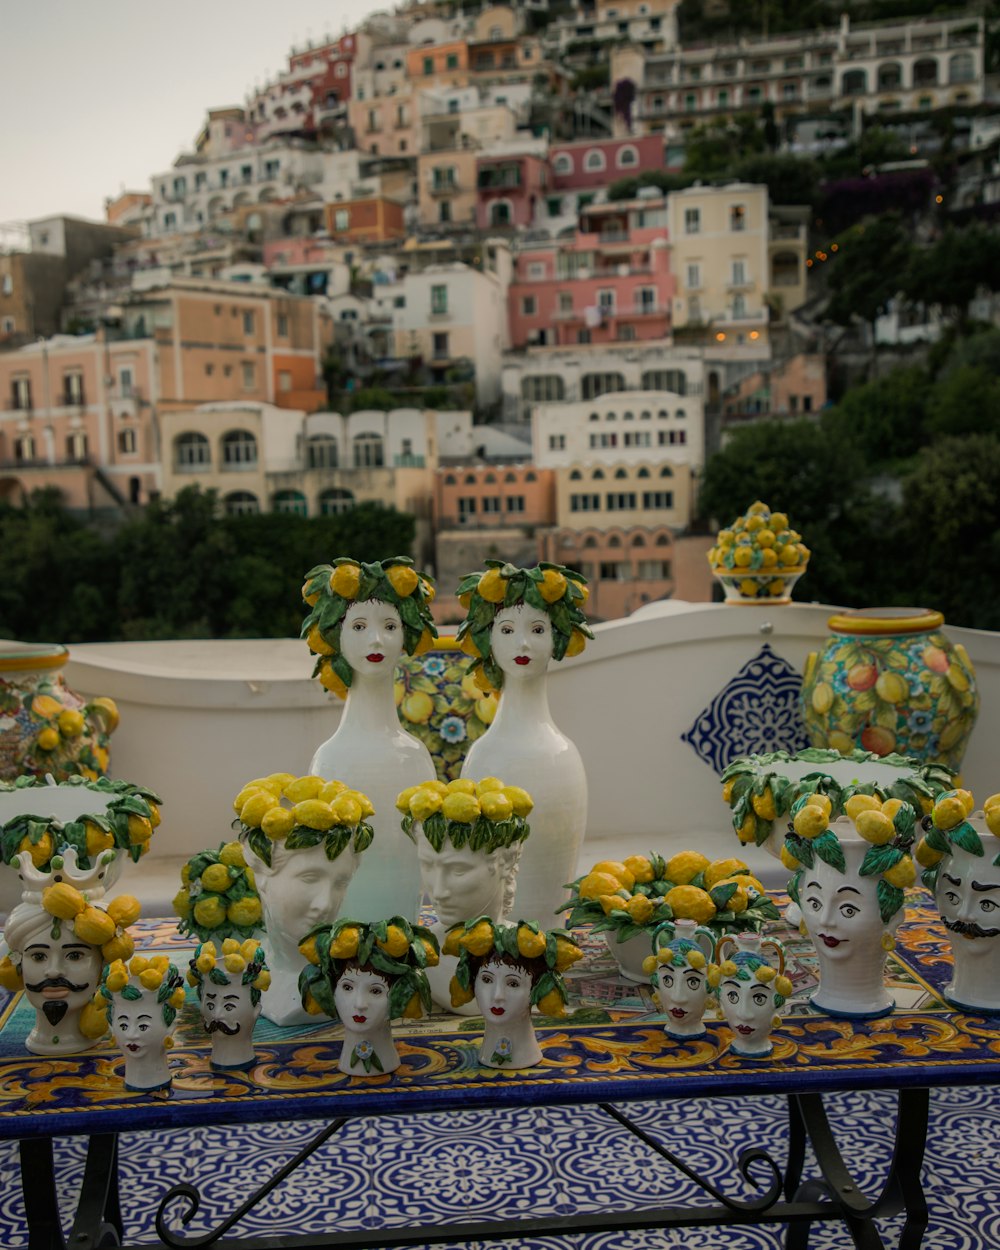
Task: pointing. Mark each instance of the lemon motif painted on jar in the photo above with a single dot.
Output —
(888, 680)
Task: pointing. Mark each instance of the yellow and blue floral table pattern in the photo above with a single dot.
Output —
(611, 1046)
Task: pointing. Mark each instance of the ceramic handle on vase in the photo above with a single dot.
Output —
(707, 950)
(776, 946)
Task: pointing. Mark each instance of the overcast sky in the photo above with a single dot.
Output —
(97, 96)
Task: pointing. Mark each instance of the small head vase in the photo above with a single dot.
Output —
(366, 976)
(508, 969)
(519, 619)
(303, 838)
(956, 854)
(468, 837)
(678, 970)
(229, 982)
(58, 949)
(849, 881)
(363, 617)
(218, 897)
(750, 990)
(140, 1001)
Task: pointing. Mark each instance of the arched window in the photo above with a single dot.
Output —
(614, 541)
(368, 451)
(856, 82)
(638, 540)
(240, 503)
(890, 76)
(562, 163)
(645, 415)
(680, 414)
(575, 476)
(628, 416)
(542, 388)
(925, 73)
(292, 501)
(961, 67)
(594, 384)
(334, 501)
(594, 161)
(643, 472)
(590, 541)
(611, 416)
(597, 475)
(239, 450)
(501, 213)
(510, 477)
(627, 156)
(662, 540)
(666, 471)
(470, 479)
(490, 477)
(191, 451)
(530, 477)
(665, 380)
(450, 479)
(322, 452)
(620, 473)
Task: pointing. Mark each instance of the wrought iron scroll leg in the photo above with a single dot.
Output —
(796, 1149)
(98, 1223)
(38, 1182)
(907, 1160)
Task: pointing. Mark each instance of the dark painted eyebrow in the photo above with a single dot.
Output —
(953, 880)
(812, 884)
(981, 886)
(848, 889)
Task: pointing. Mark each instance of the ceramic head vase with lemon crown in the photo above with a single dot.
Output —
(960, 855)
(759, 558)
(230, 980)
(507, 969)
(518, 620)
(366, 976)
(303, 839)
(468, 837)
(361, 619)
(678, 972)
(140, 1001)
(59, 940)
(849, 881)
(750, 990)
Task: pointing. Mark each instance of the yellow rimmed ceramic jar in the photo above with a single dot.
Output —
(45, 727)
(888, 680)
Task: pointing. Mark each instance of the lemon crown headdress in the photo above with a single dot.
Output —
(128, 823)
(338, 824)
(156, 973)
(487, 820)
(477, 941)
(678, 952)
(330, 589)
(394, 948)
(947, 827)
(550, 588)
(888, 857)
(748, 966)
(221, 875)
(245, 960)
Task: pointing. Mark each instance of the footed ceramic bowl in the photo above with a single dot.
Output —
(630, 954)
(767, 589)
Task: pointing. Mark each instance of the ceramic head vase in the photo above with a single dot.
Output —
(361, 619)
(750, 989)
(230, 980)
(961, 860)
(678, 970)
(140, 1001)
(366, 976)
(218, 897)
(508, 969)
(849, 881)
(58, 947)
(518, 621)
(303, 839)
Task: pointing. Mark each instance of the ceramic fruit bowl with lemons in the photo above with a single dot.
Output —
(627, 900)
(759, 557)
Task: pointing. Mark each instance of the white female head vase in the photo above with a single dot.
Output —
(678, 971)
(508, 969)
(140, 1001)
(230, 981)
(849, 881)
(750, 990)
(58, 948)
(366, 976)
(303, 838)
(961, 864)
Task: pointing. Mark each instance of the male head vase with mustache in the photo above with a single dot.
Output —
(229, 983)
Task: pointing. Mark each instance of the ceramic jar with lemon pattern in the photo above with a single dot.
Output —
(888, 680)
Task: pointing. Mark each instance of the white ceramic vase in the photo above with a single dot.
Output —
(967, 892)
(503, 996)
(526, 748)
(682, 991)
(749, 1003)
(841, 912)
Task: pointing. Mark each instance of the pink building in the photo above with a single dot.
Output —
(508, 189)
(599, 162)
(611, 283)
(494, 496)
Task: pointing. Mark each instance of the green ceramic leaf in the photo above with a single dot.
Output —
(879, 859)
(965, 836)
(890, 899)
(827, 847)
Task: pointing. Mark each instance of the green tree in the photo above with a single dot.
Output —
(966, 400)
(716, 147)
(951, 271)
(789, 179)
(868, 271)
(884, 420)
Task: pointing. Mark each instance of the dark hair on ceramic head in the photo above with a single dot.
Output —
(535, 967)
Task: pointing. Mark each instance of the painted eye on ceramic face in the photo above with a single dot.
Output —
(513, 983)
(345, 985)
(848, 910)
(760, 998)
(506, 628)
(987, 904)
(667, 979)
(538, 629)
(486, 978)
(359, 626)
(952, 897)
(376, 991)
(693, 982)
(732, 996)
(814, 903)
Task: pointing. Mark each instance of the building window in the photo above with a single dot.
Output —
(557, 442)
(491, 503)
(368, 451)
(282, 325)
(692, 221)
(239, 450)
(428, 65)
(542, 388)
(341, 219)
(739, 272)
(125, 383)
(606, 301)
(584, 503)
(451, 61)
(191, 451)
(637, 438)
(562, 164)
(284, 380)
(24, 449)
(126, 442)
(603, 440)
(737, 217)
(657, 499)
(249, 375)
(665, 380)
(627, 157)
(594, 161)
(322, 452)
(594, 384)
(466, 507)
(613, 571)
(73, 390)
(76, 446)
(515, 503)
(21, 394)
(440, 346)
(620, 501)
(439, 301)
(654, 570)
(334, 501)
(565, 302)
(241, 503)
(290, 501)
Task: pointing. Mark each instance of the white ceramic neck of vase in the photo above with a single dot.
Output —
(233, 1051)
(525, 701)
(370, 706)
(524, 1049)
(147, 1071)
(976, 979)
(384, 1047)
(63, 1038)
